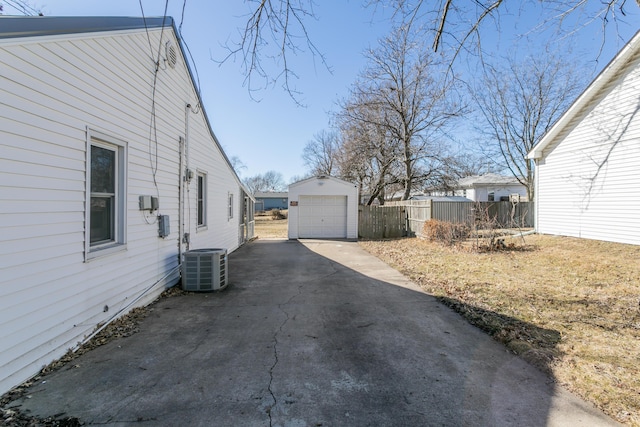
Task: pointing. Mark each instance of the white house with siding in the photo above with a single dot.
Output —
(490, 187)
(588, 164)
(109, 172)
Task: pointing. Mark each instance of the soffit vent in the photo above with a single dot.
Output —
(172, 54)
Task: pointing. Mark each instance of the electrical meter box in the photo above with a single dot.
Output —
(164, 228)
(148, 203)
(144, 203)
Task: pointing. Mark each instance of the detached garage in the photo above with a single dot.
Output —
(323, 207)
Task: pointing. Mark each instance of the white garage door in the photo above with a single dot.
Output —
(322, 216)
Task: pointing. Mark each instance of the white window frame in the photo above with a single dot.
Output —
(99, 139)
(230, 207)
(203, 176)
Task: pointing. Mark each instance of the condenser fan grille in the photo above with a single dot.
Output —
(204, 270)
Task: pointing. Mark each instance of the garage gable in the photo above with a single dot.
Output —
(323, 208)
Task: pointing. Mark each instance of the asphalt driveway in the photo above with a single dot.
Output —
(313, 333)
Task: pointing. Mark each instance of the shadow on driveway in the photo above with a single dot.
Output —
(312, 333)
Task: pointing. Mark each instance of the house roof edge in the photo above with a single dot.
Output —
(36, 26)
(617, 63)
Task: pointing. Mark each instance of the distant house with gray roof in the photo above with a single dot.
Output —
(270, 200)
(490, 187)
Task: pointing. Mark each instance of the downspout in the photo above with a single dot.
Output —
(180, 197)
(536, 186)
(184, 236)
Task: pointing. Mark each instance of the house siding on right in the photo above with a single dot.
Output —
(588, 169)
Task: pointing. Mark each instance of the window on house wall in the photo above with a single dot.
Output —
(230, 211)
(202, 199)
(491, 196)
(105, 216)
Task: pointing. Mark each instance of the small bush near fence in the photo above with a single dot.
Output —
(447, 233)
(485, 235)
(482, 226)
(278, 214)
(490, 234)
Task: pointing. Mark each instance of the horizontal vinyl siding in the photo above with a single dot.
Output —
(589, 180)
(50, 92)
(220, 232)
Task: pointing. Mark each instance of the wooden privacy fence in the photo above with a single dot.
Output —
(501, 214)
(407, 218)
(381, 222)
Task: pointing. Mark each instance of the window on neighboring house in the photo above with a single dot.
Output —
(105, 215)
(230, 205)
(491, 196)
(202, 199)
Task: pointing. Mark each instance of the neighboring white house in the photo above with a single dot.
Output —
(109, 172)
(440, 198)
(490, 187)
(588, 164)
(323, 207)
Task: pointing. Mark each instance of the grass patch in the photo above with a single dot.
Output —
(569, 306)
(271, 227)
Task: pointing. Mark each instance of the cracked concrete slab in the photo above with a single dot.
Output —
(311, 333)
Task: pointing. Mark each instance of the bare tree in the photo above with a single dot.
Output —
(459, 24)
(20, 6)
(320, 154)
(269, 181)
(237, 164)
(519, 102)
(296, 178)
(274, 30)
(451, 168)
(455, 24)
(368, 153)
(414, 104)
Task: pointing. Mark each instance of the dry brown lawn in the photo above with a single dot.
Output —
(266, 227)
(569, 306)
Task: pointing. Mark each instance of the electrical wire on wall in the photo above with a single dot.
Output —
(186, 46)
(153, 125)
(153, 148)
(150, 218)
(188, 108)
(196, 110)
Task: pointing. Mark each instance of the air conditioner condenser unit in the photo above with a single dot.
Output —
(204, 270)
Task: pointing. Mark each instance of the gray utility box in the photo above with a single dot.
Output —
(204, 270)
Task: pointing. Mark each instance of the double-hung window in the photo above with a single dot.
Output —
(202, 199)
(105, 216)
(230, 207)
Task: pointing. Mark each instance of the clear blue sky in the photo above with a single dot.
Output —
(271, 133)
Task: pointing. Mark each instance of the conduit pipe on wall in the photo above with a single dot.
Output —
(184, 181)
(180, 197)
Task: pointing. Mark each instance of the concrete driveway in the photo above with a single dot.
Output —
(312, 333)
